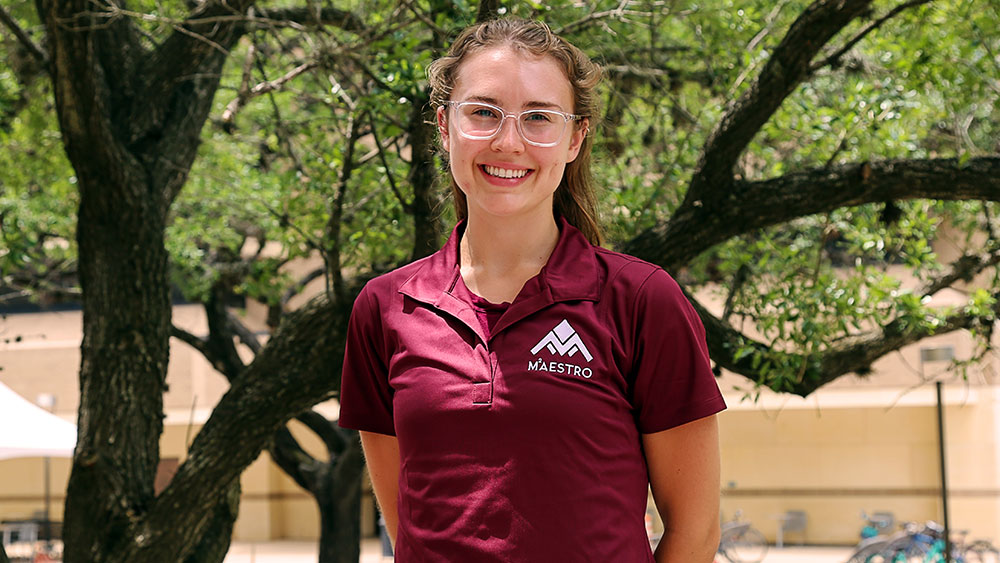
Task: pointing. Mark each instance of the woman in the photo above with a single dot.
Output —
(519, 390)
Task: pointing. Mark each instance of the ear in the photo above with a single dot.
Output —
(442, 125)
(580, 133)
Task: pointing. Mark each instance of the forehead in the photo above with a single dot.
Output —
(513, 78)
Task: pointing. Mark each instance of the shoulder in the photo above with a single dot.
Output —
(389, 283)
(626, 272)
(637, 292)
(380, 292)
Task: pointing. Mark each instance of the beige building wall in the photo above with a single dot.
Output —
(842, 452)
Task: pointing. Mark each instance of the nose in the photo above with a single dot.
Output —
(508, 138)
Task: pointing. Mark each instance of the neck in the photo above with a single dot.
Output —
(499, 254)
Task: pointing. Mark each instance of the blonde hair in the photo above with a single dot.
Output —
(574, 199)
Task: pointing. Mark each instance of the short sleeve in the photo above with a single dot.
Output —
(365, 394)
(673, 383)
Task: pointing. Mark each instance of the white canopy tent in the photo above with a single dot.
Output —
(27, 430)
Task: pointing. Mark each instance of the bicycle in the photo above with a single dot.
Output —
(876, 524)
(909, 545)
(919, 545)
(740, 542)
(923, 545)
(981, 551)
(873, 538)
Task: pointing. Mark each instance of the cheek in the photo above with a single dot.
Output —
(557, 172)
(459, 166)
(461, 152)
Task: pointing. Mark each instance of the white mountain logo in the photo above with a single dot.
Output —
(564, 341)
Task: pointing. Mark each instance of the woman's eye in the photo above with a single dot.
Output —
(483, 112)
(538, 116)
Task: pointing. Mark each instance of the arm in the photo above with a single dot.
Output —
(382, 457)
(684, 470)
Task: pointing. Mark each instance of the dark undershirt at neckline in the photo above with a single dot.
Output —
(487, 312)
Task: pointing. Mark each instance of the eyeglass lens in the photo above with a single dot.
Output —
(482, 121)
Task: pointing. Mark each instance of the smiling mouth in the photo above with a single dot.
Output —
(505, 172)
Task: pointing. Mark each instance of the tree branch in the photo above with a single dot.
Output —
(179, 79)
(964, 268)
(754, 205)
(191, 340)
(244, 89)
(752, 45)
(285, 221)
(291, 374)
(854, 354)
(374, 77)
(328, 431)
(787, 67)
(224, 356)
(300, 285)
(286, 451)
(332, 238)
(36, 51)
(488, 10)
(91, 68)
(421, 178)
(390, 177)
(301, 18)
(735, 286)
(438, 31)
(594, 17)
(246, 336)
(699, 225)
(262, 88)
(672, 75)
(314, 16)
(834, 59)
(217, 348)
(991, 231)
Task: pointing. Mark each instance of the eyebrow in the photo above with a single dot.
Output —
(528, 105)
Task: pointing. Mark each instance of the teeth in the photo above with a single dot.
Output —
(505, 173)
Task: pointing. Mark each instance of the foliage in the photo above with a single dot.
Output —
(269, 183)
(37, 195)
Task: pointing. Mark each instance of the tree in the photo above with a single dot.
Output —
(219, 348)
(753, 174)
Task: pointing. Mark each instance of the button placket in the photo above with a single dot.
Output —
(482, 391)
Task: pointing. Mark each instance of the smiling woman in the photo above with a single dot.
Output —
(519, 391)
(575, 200)
(501, 170)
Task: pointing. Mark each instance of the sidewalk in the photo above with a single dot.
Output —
(808, 554)
(371, 552)
(289, 551)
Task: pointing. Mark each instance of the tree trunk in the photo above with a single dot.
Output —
(131, 120)
(339, 500)
(335, 484)
(219, 532)
(426, 227)
(126, 322)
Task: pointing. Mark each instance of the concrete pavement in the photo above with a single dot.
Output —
(808, 554)
(371, 552)
(294, 552)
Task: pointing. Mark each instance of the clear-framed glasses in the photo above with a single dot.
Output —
(539, 127)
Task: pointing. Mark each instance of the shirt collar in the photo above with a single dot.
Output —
(570, 274)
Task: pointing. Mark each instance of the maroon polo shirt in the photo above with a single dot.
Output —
(525, 446)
